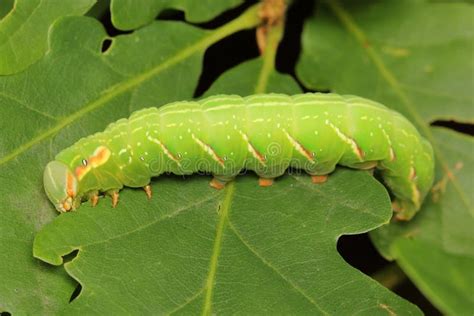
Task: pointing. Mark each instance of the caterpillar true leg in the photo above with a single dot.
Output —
(147, 189)
(114, 194)
(319, 179)
(265, 182)
(95, 199)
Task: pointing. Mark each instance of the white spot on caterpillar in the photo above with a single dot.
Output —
(208, 149)
(305, 117)
(180, 137)
(171, 125)
(228, 136)
(258, 120)
(139, 144)
(316, 132)
(278, 125)
(122, 151)
(142, 159)
(269, 135)
(316, 116)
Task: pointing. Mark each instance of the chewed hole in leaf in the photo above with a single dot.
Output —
(70, 256)
(76, 292)
(106, 45)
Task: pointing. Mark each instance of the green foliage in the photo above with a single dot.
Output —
(24, 30)
(130, 14)
(416, 57)
(194, 250)
(245, 249)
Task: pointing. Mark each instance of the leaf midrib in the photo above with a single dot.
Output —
(216, 250)
(348, 22)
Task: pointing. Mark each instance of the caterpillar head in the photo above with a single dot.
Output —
(61, 186)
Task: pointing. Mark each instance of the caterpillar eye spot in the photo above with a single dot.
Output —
(84, 162)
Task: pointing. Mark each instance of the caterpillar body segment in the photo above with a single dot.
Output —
(265, 133)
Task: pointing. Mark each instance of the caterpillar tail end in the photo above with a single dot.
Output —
(404, 210)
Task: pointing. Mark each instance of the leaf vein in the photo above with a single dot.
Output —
(274, 269)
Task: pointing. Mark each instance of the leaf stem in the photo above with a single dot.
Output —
(273, 38)
(246, 20)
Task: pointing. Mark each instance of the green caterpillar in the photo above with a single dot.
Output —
(265, 133)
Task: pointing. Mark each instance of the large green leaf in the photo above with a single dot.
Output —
(24, 31)
(195, 250)
(73, 91)
(131, 14)
(416, 57)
